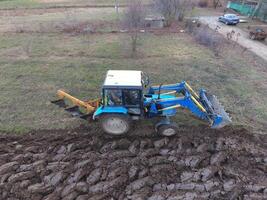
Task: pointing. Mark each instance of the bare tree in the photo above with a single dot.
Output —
(134, 21)
(217, 3)
(173, 9)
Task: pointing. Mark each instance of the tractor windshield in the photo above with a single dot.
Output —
(119, 97)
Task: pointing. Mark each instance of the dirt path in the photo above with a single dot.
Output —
(256, 47)
(80, 164)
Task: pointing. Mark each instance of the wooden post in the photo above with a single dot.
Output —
(117, 8)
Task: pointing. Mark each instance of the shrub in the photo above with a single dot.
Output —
(191, 25)
(209, 38)
(173, 10)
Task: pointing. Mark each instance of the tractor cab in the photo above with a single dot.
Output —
(122, 92)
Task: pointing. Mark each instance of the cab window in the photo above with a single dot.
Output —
(113, 97)
(132, 97)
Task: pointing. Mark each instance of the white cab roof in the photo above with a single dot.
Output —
(128, 78)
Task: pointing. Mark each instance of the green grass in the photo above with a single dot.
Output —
(31, 76)
(18, 4)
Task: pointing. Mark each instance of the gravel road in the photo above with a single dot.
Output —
(256, 47)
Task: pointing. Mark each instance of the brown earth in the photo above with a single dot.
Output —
(199, 163)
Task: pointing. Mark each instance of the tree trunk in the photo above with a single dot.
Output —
(134, 38)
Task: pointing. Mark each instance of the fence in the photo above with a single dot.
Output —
(246, 9)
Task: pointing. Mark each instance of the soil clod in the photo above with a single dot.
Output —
(196, 164)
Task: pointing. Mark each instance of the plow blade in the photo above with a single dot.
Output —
(74, 110)
(219, 116)
(77, 108)
(60, 102)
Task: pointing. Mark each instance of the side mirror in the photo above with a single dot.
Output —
(159, 91)
(145, 79)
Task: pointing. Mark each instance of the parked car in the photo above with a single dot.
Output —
(229, 19)
(257, 34)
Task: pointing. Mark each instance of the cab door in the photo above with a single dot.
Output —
(132, 100)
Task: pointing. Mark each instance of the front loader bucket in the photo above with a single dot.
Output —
(216, 111)
(220, 111)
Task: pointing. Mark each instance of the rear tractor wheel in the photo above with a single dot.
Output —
(115, 124)
(167, 130)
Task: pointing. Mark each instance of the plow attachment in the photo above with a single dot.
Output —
(215, 110)
(77, 108)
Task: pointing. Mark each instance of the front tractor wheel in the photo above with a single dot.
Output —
(115, 124)
(167, 130)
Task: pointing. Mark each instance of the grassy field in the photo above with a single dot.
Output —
(34, 65)
(54, 20)
(11, 4)
(29, 79)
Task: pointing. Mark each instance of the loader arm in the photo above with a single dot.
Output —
(185, 102)
(182, 87)
(202, 105)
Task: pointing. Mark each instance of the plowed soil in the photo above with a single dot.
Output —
(198, 163)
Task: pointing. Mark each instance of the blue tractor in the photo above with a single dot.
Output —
(127, 97)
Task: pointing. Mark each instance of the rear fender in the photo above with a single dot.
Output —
(108, 110)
